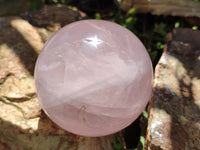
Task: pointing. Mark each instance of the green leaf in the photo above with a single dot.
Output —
(97, 16)
(132, 11)
(129, 20)
(145, 114)
(177, 25)
(195, 28)
(142, 141)
(159, 45)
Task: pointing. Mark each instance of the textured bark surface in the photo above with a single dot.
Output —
(174, 111)
(22, 123)
(165, 7)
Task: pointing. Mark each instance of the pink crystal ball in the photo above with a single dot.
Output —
(93, 77)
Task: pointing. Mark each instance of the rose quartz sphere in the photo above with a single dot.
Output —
(93, 77)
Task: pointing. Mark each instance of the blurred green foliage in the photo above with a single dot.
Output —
(128, 20)
(117, 144)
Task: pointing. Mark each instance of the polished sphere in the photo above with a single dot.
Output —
(93, 77)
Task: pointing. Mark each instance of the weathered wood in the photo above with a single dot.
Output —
(163, 7)
(53, 17)
(22, 123)
(174, 111)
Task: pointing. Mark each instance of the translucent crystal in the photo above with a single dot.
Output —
(93, 77)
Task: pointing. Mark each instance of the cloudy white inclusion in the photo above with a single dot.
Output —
(94, 41)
